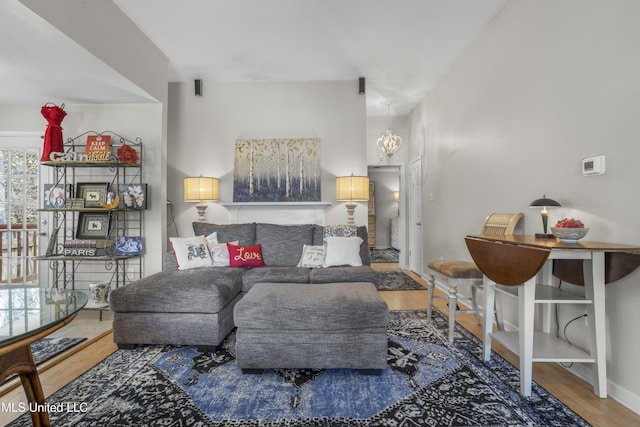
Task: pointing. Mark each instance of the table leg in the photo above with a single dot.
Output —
(487, 326)
(594, 273)
(453, 305)
(526, 312)
(546, 278)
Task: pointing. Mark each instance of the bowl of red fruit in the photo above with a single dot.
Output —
(569, 230)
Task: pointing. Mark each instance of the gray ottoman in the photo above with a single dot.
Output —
(312, 325)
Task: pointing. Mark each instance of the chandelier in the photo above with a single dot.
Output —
(389, 142)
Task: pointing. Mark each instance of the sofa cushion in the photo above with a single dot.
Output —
(341, 230)
(343, 251)
(245, 256)
(274, 274)
(191, 252)
(344, 274)
(203, 290)
(245, 233)
(361, 231)
(282, 244)
(312, 256)
(220, 253)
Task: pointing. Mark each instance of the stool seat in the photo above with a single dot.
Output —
(456, 269)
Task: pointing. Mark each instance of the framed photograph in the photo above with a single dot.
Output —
(93, 225)
(55, 196)
(133, 196)
(129, 245)
(93, 193)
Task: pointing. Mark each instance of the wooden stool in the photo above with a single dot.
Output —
(453, 274)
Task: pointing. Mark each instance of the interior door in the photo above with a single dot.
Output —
(415, 215)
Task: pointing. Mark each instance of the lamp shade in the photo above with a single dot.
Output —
(396, 196)
(352, 188)
(543, 202)
(201, 189)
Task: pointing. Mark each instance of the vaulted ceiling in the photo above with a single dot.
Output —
(401, 47)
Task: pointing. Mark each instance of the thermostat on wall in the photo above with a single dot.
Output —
(593, 165)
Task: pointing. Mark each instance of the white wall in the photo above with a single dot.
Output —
(545, 85)
(104, 30)
(203, 130)
(128, 120)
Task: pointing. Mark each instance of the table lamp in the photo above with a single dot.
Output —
(199, 190)
(352, 189)
(544, 202)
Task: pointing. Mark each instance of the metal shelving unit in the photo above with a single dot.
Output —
(77, 271)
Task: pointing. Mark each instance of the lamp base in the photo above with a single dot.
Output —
(351, 207)
(544, 236)
(201, 212)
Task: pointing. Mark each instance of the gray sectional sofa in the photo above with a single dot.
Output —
(195, 307)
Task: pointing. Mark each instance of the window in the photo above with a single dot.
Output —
(19, 177)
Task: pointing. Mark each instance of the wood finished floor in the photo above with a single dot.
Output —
(574, 392)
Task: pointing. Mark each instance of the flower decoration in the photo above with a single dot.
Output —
(127, 154)
(133, 196)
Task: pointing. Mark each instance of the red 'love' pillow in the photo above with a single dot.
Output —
(245, 256)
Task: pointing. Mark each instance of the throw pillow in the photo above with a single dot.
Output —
(191, 252)
(343, 251)
(245, 256)
(220, 253)
(212, 238)
(339, 231)
(312, 256)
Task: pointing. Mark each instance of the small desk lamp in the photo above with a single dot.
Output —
(201, 189)
(544, 202)
(352, 189)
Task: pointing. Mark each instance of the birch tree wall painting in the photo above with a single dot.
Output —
(277, 170)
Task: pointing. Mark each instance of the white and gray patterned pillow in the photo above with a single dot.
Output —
(339, 231)
(312, 256)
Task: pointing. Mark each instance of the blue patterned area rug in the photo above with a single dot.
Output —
(396, 280)
(428, 382)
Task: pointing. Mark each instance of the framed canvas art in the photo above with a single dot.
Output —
(277, 170)
(133, 196)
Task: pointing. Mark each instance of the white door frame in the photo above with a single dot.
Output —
(414, 217)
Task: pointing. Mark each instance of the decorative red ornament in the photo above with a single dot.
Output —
(127, 154)
(53, 134)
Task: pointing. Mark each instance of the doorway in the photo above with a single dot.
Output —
(385, 212)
